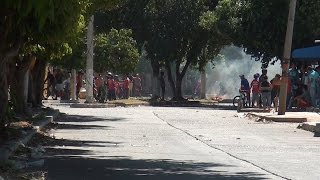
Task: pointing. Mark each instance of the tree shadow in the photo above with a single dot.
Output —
(72, 167)
(73, 159)
(80, 143)
(71, 162)
(80, 126)
(78, 118)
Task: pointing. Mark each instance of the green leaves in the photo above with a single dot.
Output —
(208, 20)
(116, 52)
(260, 26)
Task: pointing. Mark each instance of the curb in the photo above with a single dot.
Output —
(91, 105)
(280, 118)
(10, 147)
(60, 101)
(107, 105)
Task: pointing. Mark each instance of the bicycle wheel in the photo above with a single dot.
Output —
(235, 101)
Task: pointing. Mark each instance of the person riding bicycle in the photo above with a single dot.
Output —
(245, 87)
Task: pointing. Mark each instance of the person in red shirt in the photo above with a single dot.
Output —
(111, 88)
(255, 91)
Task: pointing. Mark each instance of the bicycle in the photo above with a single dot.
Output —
(241, 100)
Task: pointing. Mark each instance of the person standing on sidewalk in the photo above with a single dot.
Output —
(265, 88)
(255, 90)
(275, 82)
(111, 88)
(312, 85)
(318, 88)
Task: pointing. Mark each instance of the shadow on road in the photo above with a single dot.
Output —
(76, 159)
(78, 118)
(77, 122)
(79, 126)
(73, 160)
(118, 168)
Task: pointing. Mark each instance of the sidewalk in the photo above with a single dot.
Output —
(310, 121)
(110, 104)
(8, 148)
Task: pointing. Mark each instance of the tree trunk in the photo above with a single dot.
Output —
(73, 85)
(5, 57)
(155, 85)
(170, 79)
(178, 94)
(155, 76)
(19, 86)
(38, 76)
(3, 93)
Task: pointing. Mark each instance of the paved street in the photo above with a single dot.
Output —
(178, 143)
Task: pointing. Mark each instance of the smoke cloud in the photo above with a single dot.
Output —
(223, 81)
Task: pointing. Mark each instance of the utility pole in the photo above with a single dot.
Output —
(286, 59)
(89, 69)
(73, 85)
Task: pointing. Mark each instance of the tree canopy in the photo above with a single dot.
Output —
(116, 52)
(260, 26)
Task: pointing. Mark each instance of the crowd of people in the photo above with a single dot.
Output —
(303, 89)
(111, 87)
(105, 87)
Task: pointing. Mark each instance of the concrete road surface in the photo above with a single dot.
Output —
(177, 143)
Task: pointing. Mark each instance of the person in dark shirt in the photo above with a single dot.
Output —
(265, 89)
(245, 87)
